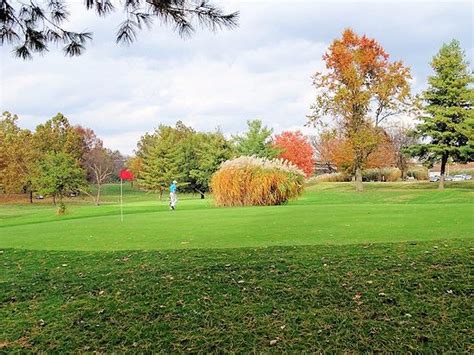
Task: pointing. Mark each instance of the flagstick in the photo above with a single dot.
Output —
(121, 201)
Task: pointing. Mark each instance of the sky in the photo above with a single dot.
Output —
(261, 70)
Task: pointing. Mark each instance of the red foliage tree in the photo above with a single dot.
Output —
(297, 149)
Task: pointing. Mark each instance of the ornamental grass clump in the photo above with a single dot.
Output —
(253, 181)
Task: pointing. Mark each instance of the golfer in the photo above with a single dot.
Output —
(173, 197)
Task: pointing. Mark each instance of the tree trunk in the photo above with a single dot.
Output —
(54, 200)
(403, 172)
(31, 196)
(201, 193)
(161, 194)
(444, 160)
(62, 208)
(97, 198)
(358, 180)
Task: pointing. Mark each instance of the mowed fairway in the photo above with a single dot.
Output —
(385, 270)
(326, 214)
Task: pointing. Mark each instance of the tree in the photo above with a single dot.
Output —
(384, 154)
(211, 150)
(31, 27)
(360, 89)
(296, 148)
(99, 165)
(88, 138)
(58, 174)
(161, 156)
(256, 141)
(338, 151)
(182, 154)
(135, 165)
(16, 156)
(57, 135)
(119, 161)
(322, 147)
(447, 126)
(401, 139)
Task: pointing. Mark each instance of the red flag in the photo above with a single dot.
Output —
(126, 174)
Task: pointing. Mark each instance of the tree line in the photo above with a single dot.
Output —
(357, 93)
(190, 157)
(56, 159)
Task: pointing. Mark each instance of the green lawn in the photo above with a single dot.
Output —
(386, 270)
(326, 214)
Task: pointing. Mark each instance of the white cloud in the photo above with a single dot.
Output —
(260, 70)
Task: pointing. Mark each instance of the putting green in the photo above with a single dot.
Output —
(326, 214)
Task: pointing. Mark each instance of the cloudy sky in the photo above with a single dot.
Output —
(260, 70)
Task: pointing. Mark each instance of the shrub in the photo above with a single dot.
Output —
(252, 181)
(418, 172)
(334, 177)
(382, 174)
(466, 171)
(393, 174)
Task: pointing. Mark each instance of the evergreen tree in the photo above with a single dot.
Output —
(162, 155)
(210, 151)
(179, 153)
(31, 26)
(256, 141)
(447, 127)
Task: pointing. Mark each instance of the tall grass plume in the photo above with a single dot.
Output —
(253, 181)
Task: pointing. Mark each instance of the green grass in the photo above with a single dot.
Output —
(405, 297)
(326, 214)
(384, 270)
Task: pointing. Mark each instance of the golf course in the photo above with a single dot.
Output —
(387, 269)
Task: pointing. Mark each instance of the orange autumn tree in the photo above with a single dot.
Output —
(296, 148)
(384, 155)
(338, 151)
(334, 150)
(359, 89)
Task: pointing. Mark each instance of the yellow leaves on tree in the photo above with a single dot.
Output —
(359, 89)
